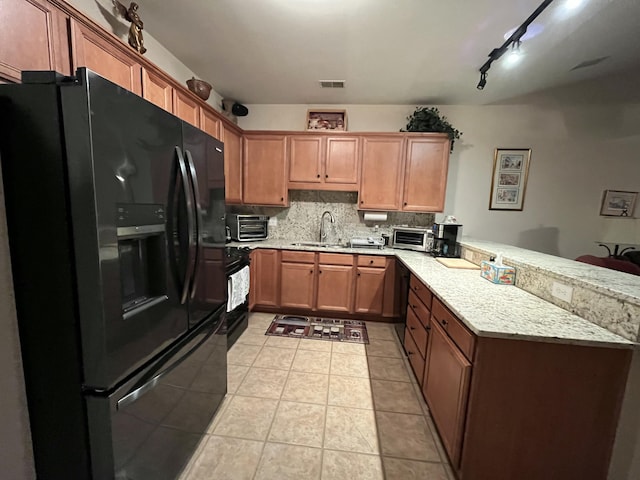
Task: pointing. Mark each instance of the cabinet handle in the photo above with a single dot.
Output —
(318, 176)
(282, 199)
(412, 328)
(409, 352)
(310, 271)
(326, 176)
(319, 271)
(428, 327)
(370, 261)
(405, 203)
(444, 322)
(358, 274)
(361, 201)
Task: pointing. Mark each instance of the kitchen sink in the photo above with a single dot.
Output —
(319, 245)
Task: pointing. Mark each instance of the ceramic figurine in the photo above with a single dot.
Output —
(135, 29)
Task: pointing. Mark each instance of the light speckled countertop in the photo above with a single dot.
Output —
(489, 310)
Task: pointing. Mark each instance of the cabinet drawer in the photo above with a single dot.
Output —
(372, 261)
(421, 291)
(417, 362)
(298, 257)
(422, 312)
(462, 337)
(417, 331)
(335, 259)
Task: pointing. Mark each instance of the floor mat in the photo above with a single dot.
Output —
(316, 328)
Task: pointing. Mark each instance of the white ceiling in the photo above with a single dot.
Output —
(390, 51)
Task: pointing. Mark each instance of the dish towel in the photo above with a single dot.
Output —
(237, 288)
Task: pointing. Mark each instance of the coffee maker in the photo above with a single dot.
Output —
(446, 240)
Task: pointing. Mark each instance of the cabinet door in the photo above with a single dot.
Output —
(305, 158)
(105, 58)
(157, 90)
(210, 123)
(296, 285)
(232, 164)
(265, 170)
(369, 290)
(335, 288)
(265, 278)
(425, 178)
(186, 108)
(446, 389)
(381, 177)
(33, 36)
(341, 160)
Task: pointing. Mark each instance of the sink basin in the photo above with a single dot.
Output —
(319, 245)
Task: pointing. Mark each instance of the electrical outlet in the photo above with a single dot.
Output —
(273, 221)
(562, 291)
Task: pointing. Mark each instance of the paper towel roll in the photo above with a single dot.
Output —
(375, 216)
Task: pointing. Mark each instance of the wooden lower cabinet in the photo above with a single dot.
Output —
(369, 290)
(297, 285)
(265, 278)
(415, 359)
(446, 388)
(335, 292)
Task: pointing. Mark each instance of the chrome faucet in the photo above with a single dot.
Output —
(323, 234)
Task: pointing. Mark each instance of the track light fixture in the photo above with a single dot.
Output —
(482, 82)
(513, 40)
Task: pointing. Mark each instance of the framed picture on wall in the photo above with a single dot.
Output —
(617, 203)
(327, 119)
(509, 180)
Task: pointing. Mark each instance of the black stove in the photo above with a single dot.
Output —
(236, 258)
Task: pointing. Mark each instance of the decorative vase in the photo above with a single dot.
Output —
(199, 87)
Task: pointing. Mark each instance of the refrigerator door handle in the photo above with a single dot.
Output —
(198, 216)
(145, 385)
(188, 195)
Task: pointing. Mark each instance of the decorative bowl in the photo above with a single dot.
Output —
(199, 87)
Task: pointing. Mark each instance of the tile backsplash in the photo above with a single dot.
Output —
(301, 220)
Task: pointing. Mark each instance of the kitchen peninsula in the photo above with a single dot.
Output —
(517, 387)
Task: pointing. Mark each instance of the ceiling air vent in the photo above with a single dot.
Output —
(331, 83)
(590, 63)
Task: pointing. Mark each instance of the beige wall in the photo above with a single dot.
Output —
(101, 12)
(577, 152)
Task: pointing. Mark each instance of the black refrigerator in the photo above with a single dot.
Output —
(120, 317)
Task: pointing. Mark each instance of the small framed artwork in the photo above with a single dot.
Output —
(509, 181)
(335, 120)
(616, 203)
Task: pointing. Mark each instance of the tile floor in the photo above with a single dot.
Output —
(310, 409)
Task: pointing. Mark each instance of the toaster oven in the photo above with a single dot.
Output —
(247, 228)
(412, 238)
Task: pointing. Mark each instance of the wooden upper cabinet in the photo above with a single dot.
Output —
(265, 169)
(382, 170)
(305, 160)
(232, 164)
(33, 36)
(425, 178)
(157, 90)
(210, 123)
(186, 108)
(106, 58)
(341, 164)
(319, 162)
